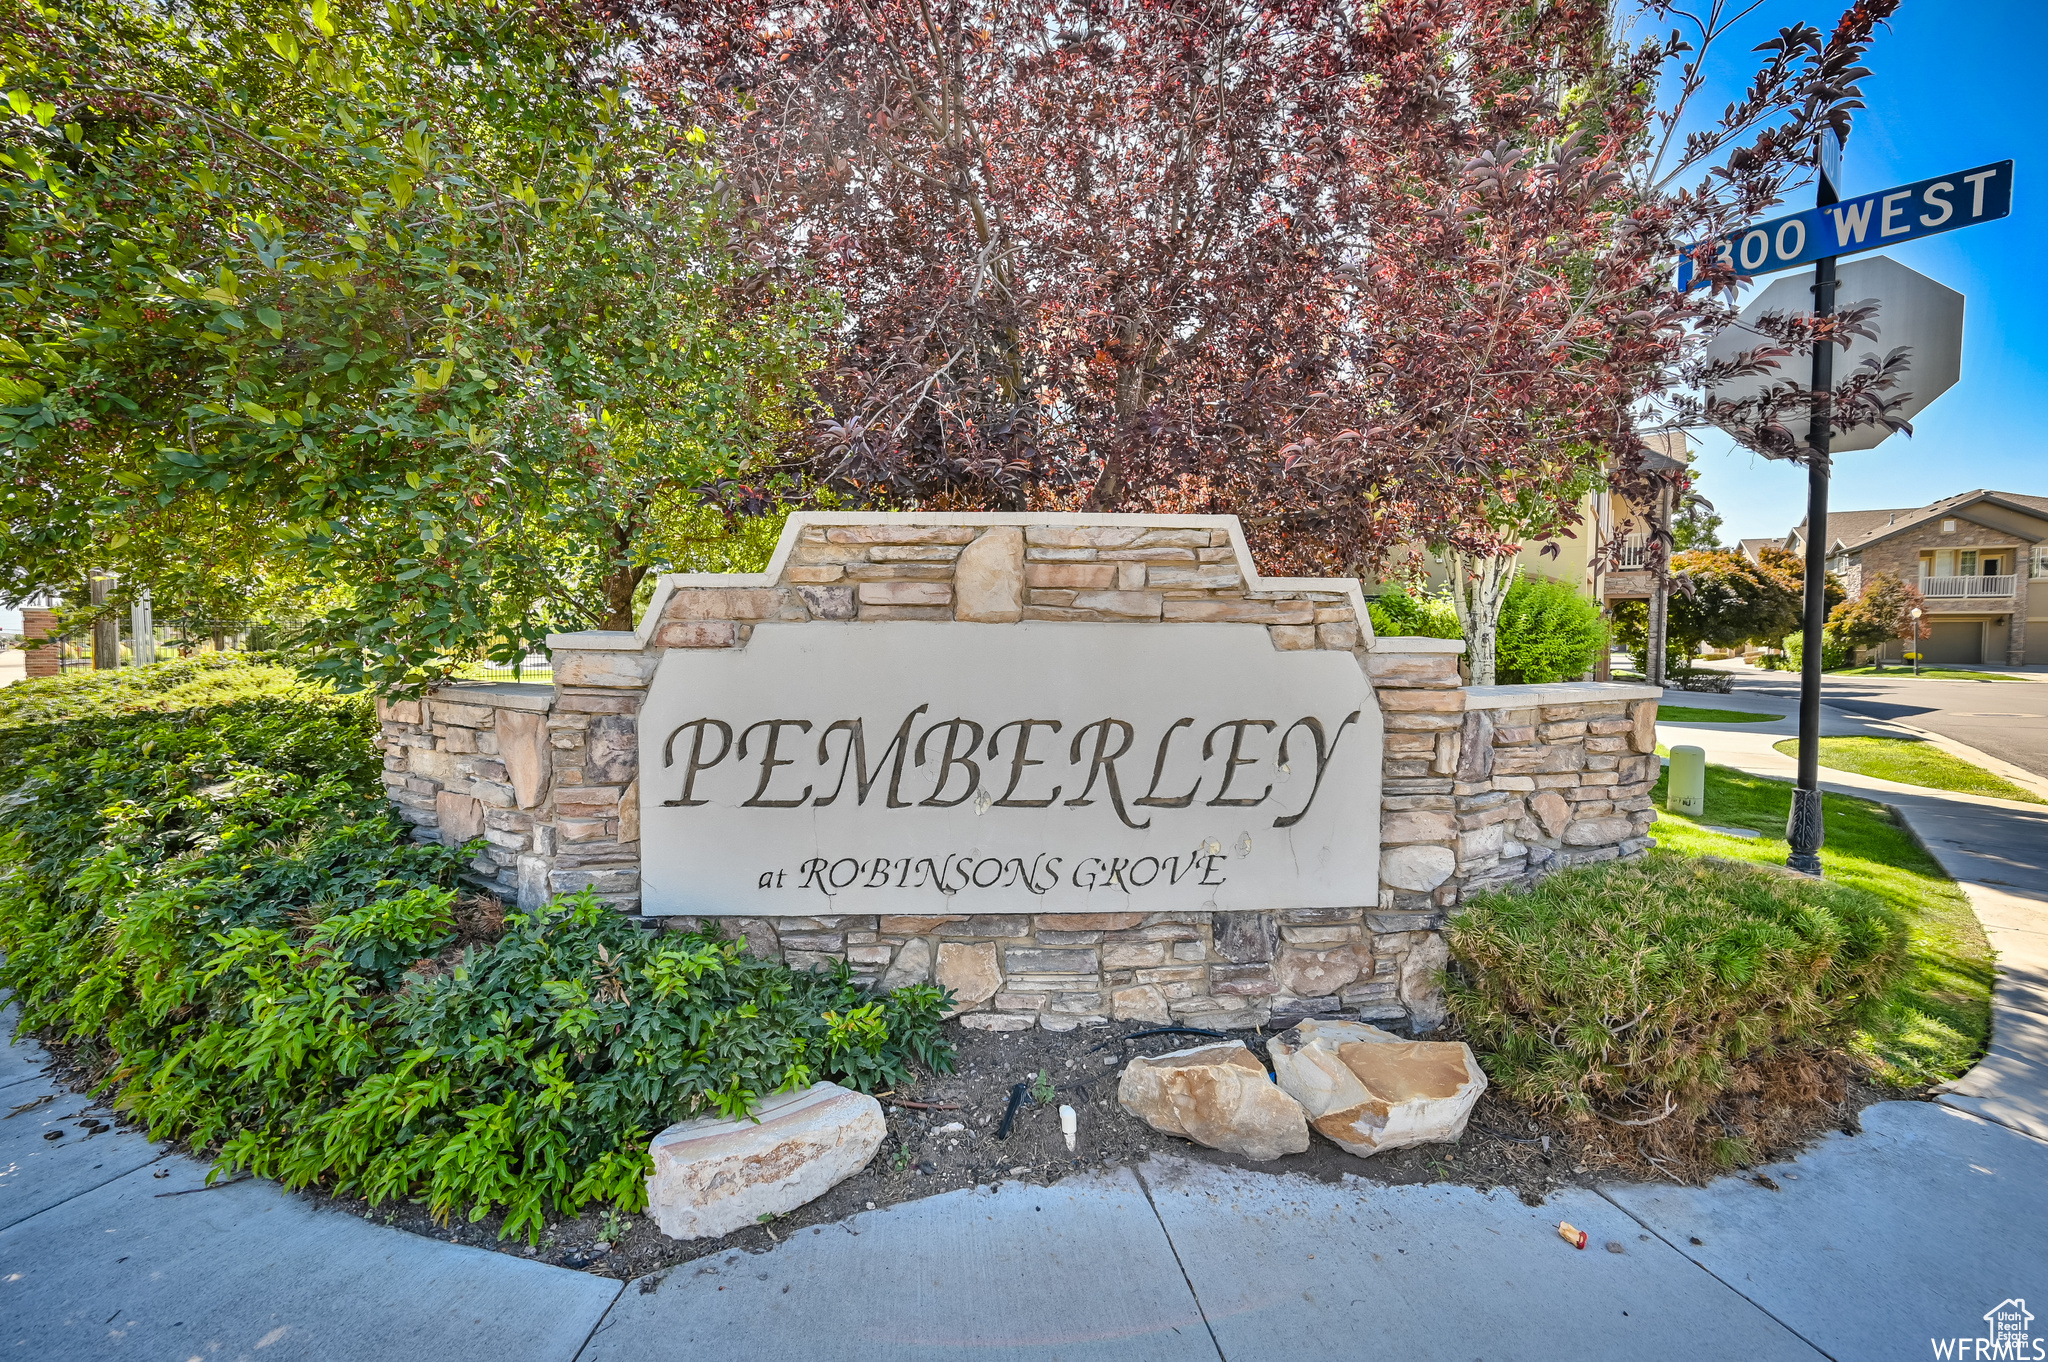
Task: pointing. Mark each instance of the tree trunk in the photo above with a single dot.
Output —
(1660, 594)
(1478, 587)
(142, 631)
(619, 585)
(618, 600)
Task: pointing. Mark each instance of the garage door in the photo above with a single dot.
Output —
(1956, 641)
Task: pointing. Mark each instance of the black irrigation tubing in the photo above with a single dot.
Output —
(1016, 1100)
(1158, 1031)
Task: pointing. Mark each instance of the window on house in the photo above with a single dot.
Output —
(1926, 566)
(1991, 562)
(2040, 568)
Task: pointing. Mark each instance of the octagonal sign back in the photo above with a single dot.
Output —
(1914, 311)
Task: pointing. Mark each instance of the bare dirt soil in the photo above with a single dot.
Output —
(945, 1134)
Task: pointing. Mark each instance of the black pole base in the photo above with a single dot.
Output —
(1805, 832)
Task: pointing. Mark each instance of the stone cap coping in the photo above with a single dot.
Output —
(1414, 643)
(612, 640)
(1254, 584)
(1562, 693)
(535, 695)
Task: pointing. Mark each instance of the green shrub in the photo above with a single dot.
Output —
(1396, 612)
(203, 888)
(1834, 653)
(1631, 988)
(1547, 632)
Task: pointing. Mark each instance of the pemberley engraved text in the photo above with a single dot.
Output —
(865, 767)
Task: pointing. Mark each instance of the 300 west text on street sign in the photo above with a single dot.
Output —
(1866, 222)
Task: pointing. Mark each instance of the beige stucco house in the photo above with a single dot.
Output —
(1577, 558)
(1980, 558)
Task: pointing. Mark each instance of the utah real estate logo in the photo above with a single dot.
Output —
(2005, 1337)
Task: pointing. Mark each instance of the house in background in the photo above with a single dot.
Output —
(1578, 561)
(1752, 549)
(1980, 558)
(1631, 578)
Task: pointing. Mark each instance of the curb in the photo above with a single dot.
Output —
(2019, 776)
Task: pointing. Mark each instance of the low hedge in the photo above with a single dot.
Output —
(1632, 989)
(1547, 632)
(203, 890)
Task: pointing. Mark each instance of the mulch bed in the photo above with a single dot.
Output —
(943, 1136)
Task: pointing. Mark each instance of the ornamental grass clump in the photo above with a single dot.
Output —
(205, 895)
(1637, 991)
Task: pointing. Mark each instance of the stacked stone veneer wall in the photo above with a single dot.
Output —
(1483, 786)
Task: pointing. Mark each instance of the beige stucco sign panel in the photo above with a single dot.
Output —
(935, 767)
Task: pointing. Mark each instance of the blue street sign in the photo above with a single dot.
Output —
(1865, 222)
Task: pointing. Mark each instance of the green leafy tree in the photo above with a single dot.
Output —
(1721, 598)
(1727, 601)
(418, 299)
(1695, 526)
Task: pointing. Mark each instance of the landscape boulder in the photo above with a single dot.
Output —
(713, 1175)
(1369, 1090)
(1217, 1095)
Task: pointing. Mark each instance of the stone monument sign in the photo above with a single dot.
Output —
(912, 766)
(1070, 767)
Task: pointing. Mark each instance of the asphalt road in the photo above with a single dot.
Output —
(2007, 719)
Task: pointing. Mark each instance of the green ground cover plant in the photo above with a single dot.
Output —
(1937, 1015)
(1912, 761)
(1632, 990)
(1655, 993)
(1688, 714)
(1398, 612)
(203, 890)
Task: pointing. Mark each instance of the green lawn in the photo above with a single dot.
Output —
(1688, 714)
(1913, 762)
(1904, 669)
(1940, 1015)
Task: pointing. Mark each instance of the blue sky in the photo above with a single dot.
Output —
(1954, 84)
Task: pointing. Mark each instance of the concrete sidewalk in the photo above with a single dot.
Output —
(1868, 1247)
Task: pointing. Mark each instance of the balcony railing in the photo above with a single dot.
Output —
(1635, 552)
(1948, 588)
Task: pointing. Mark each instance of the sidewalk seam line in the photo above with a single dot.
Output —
(160, 1156)
(1193, 1294)
(1601, 1192)
(597, 1325)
